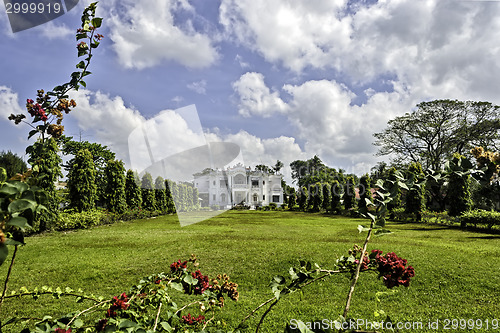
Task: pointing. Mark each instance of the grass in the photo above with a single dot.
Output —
(456, 271)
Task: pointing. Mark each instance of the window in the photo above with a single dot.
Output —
(263, 182)
(223, 183)
(255, 183)
(214, 182)
(264, 197)
(276, 198)
(213, 197)
(255, 197)
(240, 180)
(223, 197)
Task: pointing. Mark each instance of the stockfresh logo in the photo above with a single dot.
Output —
(26, 14)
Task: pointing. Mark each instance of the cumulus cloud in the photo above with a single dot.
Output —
(255, 98)
(52, 30)
(146, 35)
(436, 48)
(9, 103)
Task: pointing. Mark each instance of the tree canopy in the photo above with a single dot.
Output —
(436, 130)
(12, 163)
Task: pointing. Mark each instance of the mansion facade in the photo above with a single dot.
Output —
(237, 185)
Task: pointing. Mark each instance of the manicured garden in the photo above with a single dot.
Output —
(456, 271)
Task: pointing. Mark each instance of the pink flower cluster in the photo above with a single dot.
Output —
(62, 330)
(192, 320)
(119, 304)
(393, 269)
(36, 110)
(178, 265)
(203, 282)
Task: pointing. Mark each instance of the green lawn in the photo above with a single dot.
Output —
(457, 272)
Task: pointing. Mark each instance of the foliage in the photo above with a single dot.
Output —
(437, 217)
(12, 163)
(327, 197)
(160, 194)
(349, 193)
(20, 204)
(337, 194)
(84, 220)
(316, 197)
(415, 198)
(365, 194)
(115, 197)
(147, 190)
(303, 198)
(458, 193)
(292, 199)
(312, 171)
(100, 155)
(170, 199)
(396, 201)
(437, 129)
(81, 182)
(481, 217)
(46, 168)
(133, 195)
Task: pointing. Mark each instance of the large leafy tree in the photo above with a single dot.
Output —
(12, 163)
(436, 130)
(312, 171)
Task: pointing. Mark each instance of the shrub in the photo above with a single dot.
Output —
(400, 214)
(273, 206)
(81, 182)
(437, 217)
(84, 220)
(114, 196)
(478, 216)
(132, 190)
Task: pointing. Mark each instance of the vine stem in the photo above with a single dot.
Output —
(358, 269)
(264, 315)
(86, 310)
(157, 316)
(8, 275)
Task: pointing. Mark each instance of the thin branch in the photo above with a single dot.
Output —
(86, 310)
(186, 306)
(157, 317)
(52, 293)
(264, 315)
(358, 269)
(8, 275)
(255, 310)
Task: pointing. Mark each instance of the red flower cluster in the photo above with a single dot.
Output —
(393, 269)
(192, 320)
(203, 282)
(36, 110)
(178, 265)
(364, 265)
(62, 330)
(120, 303)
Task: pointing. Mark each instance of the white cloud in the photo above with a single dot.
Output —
(9, 103)
(255, 97)
(145, 35)
(51, 30)
(439, 49)
(199, 87)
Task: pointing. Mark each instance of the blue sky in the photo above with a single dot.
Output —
(283, 79)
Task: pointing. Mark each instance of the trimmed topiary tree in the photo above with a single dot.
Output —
(82, 188)
(337, 192)
(364, 192)
(349, 193)
(303, 195)
(415, 196)
(327, 197)
(458, 194)
(114, 197)
(133, 195)
(160, 195)
(148, 194)
(170, 199)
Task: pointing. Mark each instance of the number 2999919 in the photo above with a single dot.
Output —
(33, 8)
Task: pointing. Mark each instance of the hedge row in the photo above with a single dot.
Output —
(481, 217)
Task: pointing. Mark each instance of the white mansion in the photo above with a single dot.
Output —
(238, 185)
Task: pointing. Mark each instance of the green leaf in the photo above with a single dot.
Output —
(21, 205)
(373, 217)
(96, 22)
(81, 64)
(127, 323)
(83, 83)
(8, 190)
(190, 280)
(3, 252)
(78, 323)
(19, 222)
(17, 240)
(166, 326)
(362, 228)
(280, 280)
(176, 286)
